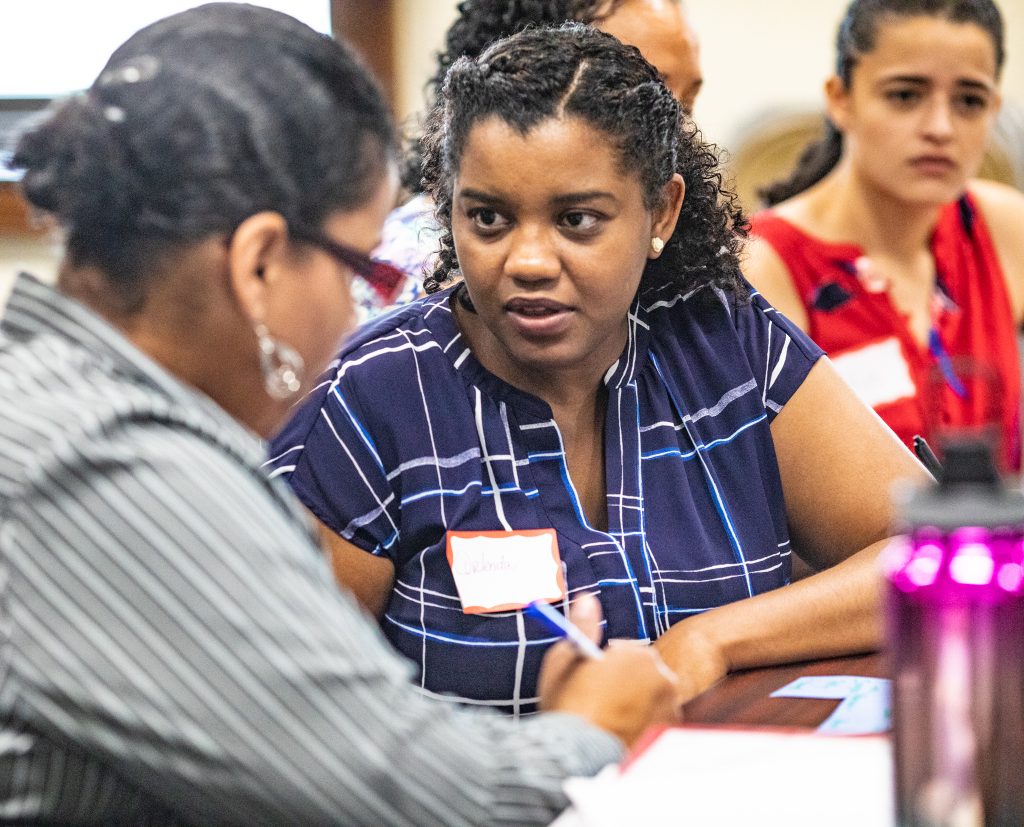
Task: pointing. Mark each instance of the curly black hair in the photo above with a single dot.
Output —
(479, 24)
(857, 35)
(578, 71)
(197, 122)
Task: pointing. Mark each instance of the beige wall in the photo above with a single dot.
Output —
(37, 256)
(419, 33)
(758, 55)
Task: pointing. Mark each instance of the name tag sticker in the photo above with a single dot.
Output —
(502, 571)
(877, 372)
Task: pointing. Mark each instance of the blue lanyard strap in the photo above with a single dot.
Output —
(941, 356)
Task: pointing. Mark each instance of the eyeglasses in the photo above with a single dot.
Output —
(385, 279)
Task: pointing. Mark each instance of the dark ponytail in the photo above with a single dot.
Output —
(816, 161)
(857, 35)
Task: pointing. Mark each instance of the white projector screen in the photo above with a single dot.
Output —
(53, 47)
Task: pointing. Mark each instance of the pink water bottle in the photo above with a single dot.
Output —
(956, 645)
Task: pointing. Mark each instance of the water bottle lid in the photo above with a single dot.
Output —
(969, 493)
(968, 506)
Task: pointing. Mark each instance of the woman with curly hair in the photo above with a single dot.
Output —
(658, 28)
(881, 246)
(598, 372)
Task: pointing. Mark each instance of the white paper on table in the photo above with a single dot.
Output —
(712, 776)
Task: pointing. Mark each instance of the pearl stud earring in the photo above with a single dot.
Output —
(657, 245)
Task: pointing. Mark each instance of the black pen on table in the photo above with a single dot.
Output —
(927, 456)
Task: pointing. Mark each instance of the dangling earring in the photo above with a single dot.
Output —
(281, 365)
(657, 245)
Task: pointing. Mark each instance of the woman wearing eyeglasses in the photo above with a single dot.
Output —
(173, 648)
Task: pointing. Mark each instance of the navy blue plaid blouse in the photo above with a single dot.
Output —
(408, 436)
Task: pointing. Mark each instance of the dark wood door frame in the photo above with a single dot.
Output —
(369, 26)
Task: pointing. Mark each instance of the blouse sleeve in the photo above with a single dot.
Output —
(328, 455)
(780, 354)
(410, 240)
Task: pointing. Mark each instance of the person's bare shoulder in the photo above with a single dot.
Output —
(1003, 208)
(768, 273)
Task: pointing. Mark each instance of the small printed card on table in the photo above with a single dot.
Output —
(866, 707)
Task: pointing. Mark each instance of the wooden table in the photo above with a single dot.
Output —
(744, 698)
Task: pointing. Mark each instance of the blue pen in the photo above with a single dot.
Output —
(563, 627)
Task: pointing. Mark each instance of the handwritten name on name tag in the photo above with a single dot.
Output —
(501, 571)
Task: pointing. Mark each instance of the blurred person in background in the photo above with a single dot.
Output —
(884, 248)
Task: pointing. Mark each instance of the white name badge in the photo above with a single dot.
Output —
(877, 372)
(501, 571)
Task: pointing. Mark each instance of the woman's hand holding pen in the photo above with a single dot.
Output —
(624, 692)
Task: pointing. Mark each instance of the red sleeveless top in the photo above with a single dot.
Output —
(969, 373)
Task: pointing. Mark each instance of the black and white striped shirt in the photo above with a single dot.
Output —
(172, 646)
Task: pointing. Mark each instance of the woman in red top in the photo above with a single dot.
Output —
(881, 246)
